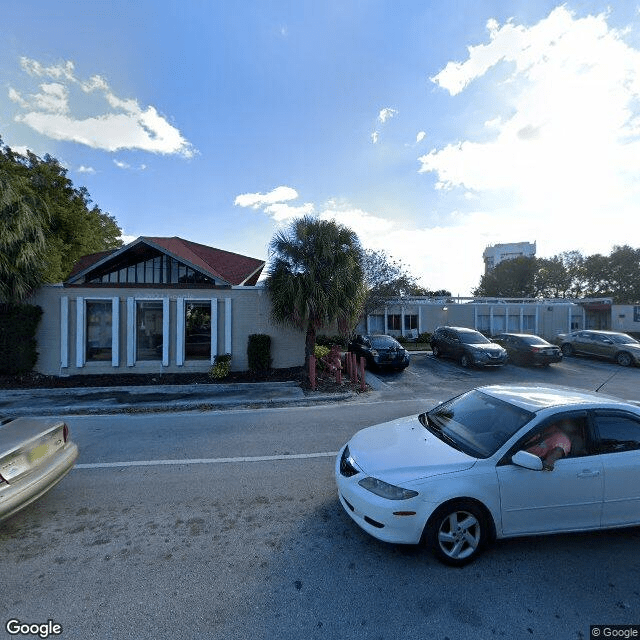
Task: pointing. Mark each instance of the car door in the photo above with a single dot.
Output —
(583, 343)
(567, 498)
(618, 445)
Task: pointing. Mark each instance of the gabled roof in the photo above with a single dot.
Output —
(229, 268)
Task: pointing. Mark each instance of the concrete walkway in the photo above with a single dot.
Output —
(89, 400)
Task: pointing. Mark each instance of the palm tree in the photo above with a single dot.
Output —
(315, 277)
(22, 236)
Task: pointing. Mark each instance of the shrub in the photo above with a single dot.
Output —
(221, 368)
(424, 337)
(329, 341)
(18, 347)
(259, 353)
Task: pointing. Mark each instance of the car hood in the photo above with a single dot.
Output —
(403, 450)
(487, 347)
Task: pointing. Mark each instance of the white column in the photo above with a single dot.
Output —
(214, 329)
(227, 325)
(115, 332)
(180, 331)
(79, 332)
(64, 332)
(131, 332)
(165, 332)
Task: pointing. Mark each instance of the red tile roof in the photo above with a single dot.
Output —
(233, 268)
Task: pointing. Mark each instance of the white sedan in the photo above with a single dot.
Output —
(475, 468)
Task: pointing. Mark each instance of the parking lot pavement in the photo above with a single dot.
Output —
(430, 376)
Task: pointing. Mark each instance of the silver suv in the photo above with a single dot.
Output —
(619, 347)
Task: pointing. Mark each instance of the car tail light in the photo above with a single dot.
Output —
(65, 432)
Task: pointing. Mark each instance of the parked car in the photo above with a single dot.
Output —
(525, 348)
(619, 347)
(35, 454)
(458, 475)
(380, 351)
(467, 346)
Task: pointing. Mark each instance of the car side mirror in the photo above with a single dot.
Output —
(527, 460)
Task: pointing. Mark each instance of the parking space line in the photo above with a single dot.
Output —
(158, 463)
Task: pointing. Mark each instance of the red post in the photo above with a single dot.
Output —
(312, 372)
(362, 382)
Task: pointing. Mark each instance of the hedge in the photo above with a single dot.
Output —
(18, 346)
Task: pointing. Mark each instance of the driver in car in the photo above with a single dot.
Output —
(551, 444)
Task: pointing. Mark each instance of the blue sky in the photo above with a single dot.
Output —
(433, 129)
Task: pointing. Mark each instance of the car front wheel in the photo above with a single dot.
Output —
(623, 359)
(465, 361)
(567, 349)
(436, 351)
(457, 532)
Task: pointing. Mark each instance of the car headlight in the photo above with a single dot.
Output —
(386, 490)
(374, 353)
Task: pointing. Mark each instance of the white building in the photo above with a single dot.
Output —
(496, 253)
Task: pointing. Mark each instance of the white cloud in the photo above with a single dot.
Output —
(83, 169)
(559, 158)
(274, 204)
(420, 136)
(122, 124)
(260, 200)
(386, 114)
(383, 116)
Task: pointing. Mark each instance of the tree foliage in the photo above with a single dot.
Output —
(315, 277)
(56, 219)
(387, 280)
(567, 275)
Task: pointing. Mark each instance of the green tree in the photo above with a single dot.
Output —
(315, 277)
(551, 278)
(43, 196)
(510, 279)
(387, 280)
(75, 227)
(23, 223)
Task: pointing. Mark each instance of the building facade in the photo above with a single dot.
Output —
(547, 318)
(158, 305)
(497, 253)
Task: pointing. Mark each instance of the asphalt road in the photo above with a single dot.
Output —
(226, 525)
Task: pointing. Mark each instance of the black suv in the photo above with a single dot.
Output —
(468, 346)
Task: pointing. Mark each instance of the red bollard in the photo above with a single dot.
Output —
(362, 382)
(312, 372)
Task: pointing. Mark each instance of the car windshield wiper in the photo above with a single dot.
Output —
(428, 422)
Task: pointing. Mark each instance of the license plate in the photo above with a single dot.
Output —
(38, 452)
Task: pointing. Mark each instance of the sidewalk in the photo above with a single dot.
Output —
(100, 400)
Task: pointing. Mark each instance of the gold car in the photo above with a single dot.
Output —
(35, 454)
(618, 347)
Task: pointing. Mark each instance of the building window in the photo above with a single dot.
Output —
(197, 331)
(99, 330)
(394, 321)
(376, 324)
(149, 330)
(411, 321)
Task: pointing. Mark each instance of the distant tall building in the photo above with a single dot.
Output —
(496, 253)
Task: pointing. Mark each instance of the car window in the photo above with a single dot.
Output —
(623, 338)
(617, 432)
(534, 340)
(473, 338)
(476, 422)
(383, 342)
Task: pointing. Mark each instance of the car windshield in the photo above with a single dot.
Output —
(622, 338)
(475, 422)
(473, 338)
(383, 342)
(534, 340)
